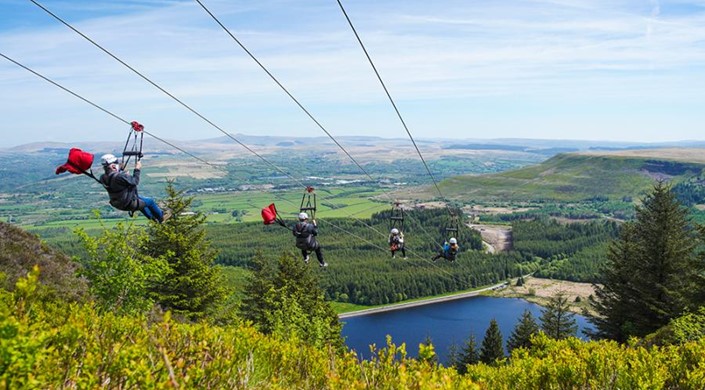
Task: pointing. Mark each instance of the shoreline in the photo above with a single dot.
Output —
(421, 302)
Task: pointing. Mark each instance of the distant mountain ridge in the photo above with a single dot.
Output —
(513, 144)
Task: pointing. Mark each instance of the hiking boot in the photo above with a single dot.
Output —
(394, 256)
(406, 258)
(306, 260)
(323, 265)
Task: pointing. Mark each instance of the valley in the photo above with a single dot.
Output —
(496, 187)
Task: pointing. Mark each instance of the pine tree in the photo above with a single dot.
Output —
(557, 321)
(615, 299)
(287, 301)
(653, 273)
(492, 349)
(453, 355)
(468, 355)
(521, 336)
(192, 285)
(254, 307)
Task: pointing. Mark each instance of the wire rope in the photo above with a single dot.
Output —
(301, 106)
(110, 113)
(193, 110)
(103, 109)
(396, 109)
(308, 113)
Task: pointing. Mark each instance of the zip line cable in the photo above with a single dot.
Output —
(181, 102)
(104, 110)
(396, 109)
(306, 111)
(145, 78)
(158, 138)
(282, 87)
(203, 117)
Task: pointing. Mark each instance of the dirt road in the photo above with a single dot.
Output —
(497, 238)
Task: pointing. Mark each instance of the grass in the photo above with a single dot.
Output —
(344, 307)
(333, 203)
(218, 207)
(567, 178)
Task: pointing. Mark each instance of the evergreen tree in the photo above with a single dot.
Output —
(192, 285)
(653, 273)
(254, 307)
(286, 301)
(557, 321)
(492, 349)
(453, 355)
(468, 355)
(615, 299)
(521, 336)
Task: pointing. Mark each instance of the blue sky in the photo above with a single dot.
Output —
(552, 69)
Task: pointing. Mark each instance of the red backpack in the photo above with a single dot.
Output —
(78, 162)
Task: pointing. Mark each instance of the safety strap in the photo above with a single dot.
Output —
(280, 221)
(88, 173)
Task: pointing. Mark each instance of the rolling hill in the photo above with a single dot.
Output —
(571, 177)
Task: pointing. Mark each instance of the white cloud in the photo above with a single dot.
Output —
(548, 52)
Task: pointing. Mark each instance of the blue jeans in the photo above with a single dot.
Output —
(151, 210)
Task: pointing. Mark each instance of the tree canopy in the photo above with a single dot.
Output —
(285, 300)
(492, 345)
(557, 321)
(191, 284)
(654, 271)
(524, 329)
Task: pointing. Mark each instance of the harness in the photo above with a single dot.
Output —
(304, 238)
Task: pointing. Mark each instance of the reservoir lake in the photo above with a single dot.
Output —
(446, 323)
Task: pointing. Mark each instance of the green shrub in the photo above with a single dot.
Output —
(58, 344)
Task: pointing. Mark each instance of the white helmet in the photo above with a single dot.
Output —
(453, 240)
(303, 216)
(108, 159)
(395, 231)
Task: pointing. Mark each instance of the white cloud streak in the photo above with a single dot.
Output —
(443, 55)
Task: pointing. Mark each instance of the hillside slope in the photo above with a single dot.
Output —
(576, 177)
(20, 251)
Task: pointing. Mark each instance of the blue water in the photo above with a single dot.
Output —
(445, 323)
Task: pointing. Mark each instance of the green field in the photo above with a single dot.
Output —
(331, 203)
(230, 207)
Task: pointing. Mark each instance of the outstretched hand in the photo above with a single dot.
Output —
(138, 165)
(314, 222)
